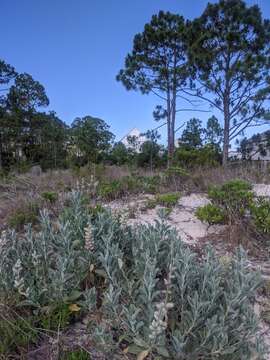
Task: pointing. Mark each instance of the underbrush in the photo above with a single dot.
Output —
(234, 203)
(152, 295)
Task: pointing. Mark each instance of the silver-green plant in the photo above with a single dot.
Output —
(156, 296)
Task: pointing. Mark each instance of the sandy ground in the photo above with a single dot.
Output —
(182, 216)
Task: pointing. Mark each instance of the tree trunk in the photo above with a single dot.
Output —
(1, 151)
(169, 161)
(226, 139)
(173, 110)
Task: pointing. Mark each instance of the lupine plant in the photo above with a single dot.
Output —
(156, 297)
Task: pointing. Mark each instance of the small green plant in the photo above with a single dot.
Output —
(55, 317)
(95, 210)
(76, 355)
(235, 198)
(110, 190)
(211, 214)
(177, 171)
(26, 215)
(168, 200)
(50, 196)
(260, 213)
(15, 331)
(150, 204)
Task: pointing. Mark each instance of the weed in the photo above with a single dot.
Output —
(50, 196)
(260, 213)
(211, 214)
(168, 200)
(22, 216)
(76, 355)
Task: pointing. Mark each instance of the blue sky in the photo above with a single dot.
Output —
(76, 47)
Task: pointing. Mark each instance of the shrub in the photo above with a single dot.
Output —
(50, 196)
(211, 214)
(234, 197)
(168, 200)
(261, 216)
(158, 298)
(111, 190)
(207, 155)
(27, 214)
(128, 185)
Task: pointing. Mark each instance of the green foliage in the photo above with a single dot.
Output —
(213, 132)
(90, 139)
(190, 157)
(158, 64)
(192, 136)
(55, 317)
(232, 76)
(211, 214)
(24, 215)
(95, 210)
(128, 185)
(15, 331)
(120, 155)
(50, 196)
(176, 171)
(76, 355)
(180, 311)
(168, 199)
(260, 213)
(110, 190)
(157, 296)
(234, 197)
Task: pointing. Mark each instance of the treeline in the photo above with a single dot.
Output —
(31, 136)
(220, 58)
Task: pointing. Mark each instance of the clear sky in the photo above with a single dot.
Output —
(75, 48)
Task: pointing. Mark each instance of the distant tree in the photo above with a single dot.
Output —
(24, 100)
(213, 132)
(229, 49)
(119, 154)
(192, 135)
(26, 95)
(149, 152)
(91, 138)
(47, 145)
(133, 143)
(158, 65)
(7, 74)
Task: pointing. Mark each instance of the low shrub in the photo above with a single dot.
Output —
(110, 191)
(50, 196)
(260, 213)
(156, 297)
(211, 214)
(234, 197)
(128, 185)
(206, 156)
(168, 199)
(27, 214)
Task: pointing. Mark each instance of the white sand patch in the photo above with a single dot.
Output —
(182, 217)
(262, 189)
